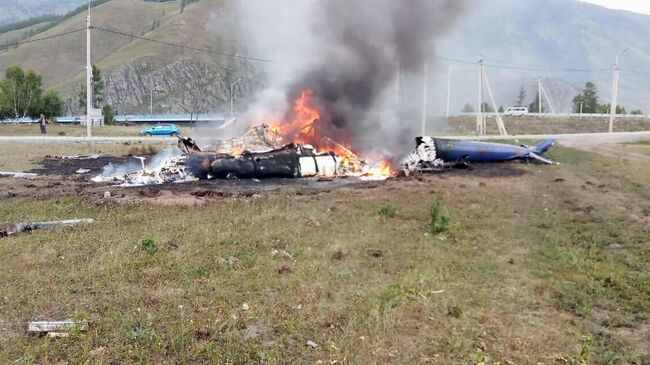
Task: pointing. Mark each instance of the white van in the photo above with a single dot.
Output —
(516, 111)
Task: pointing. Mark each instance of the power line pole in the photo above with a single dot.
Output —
(232, 98)
(615, 79)
(449, 92)
(425, 98)
(548, 100)
(480, 118)
(500, 124)
(539, 94)
(89, 71)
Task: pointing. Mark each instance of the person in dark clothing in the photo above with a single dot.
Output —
(43, 122)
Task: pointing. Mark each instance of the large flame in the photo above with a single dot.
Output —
(303, 127)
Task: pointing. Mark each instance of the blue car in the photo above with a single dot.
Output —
(162, 130)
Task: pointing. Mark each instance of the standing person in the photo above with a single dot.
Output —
(42, 123)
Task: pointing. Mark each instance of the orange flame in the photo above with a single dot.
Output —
(303, 129)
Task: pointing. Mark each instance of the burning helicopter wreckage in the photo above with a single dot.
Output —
(260, 154)
(256, 155)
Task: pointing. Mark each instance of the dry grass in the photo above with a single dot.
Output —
(530, 267)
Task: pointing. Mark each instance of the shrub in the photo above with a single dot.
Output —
(148, 245)
(439, 219)
(387, 211)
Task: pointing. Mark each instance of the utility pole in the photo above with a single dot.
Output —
(548, 100)
(539, 94)
(481, 125)
(480, 118)
(615, 80)
(232, 98)
(425, 98)
(581, 104)
(89, 71)
(449, 92)
(500, 124)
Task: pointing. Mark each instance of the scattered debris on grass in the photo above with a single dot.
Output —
(18, 175)
(283, 253)
(11, 229)
(55, 328)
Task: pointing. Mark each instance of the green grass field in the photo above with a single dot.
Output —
(68, 130)
(548, 267)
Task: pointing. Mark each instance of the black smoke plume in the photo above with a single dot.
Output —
(362, 45)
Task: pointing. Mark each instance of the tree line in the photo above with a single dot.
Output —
(22, 96)
(586, 102)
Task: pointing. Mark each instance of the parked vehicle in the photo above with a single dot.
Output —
(162, 130)
(516, 111)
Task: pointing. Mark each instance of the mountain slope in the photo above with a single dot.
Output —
(551, 36)
(538, 38)
(182, 80)
(15, 10)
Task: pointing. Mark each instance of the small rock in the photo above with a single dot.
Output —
(107, 195)
(232, 261)
(284, 269)
(244, 307)
(312, 344)
(338, 255)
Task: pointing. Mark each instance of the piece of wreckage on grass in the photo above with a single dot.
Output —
(437, 154)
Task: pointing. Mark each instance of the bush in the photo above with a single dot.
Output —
(387, 211)
(61, 133)
(148, 245)
(439, 219)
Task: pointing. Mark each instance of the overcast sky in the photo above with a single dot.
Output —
(639, 6)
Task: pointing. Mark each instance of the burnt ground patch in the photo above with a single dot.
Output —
(58, 178)
(52, 166)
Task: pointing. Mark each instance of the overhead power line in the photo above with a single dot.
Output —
(524, 68)
(9, 45)
(176, 45)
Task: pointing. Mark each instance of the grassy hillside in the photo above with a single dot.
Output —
(58, 60)
(132, 66)
(15, 10)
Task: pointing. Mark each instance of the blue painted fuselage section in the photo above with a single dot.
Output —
(451, 150)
